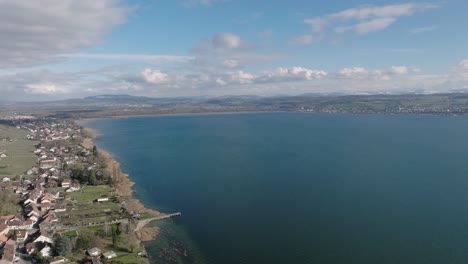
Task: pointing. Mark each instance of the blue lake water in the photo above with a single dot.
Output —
(300, 188)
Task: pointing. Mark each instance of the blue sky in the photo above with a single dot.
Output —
(57, 49)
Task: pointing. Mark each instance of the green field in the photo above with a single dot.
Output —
(91, 193)
(18, 149)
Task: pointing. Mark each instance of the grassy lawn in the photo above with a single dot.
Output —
(91, 193)
(19, 153)
(70, 233)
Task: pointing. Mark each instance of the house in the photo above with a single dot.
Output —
(28, 223)
(9, 251)
(7, 217)
(45, 206)
(31, 247)
(21, 236)
(47, 250)
(66, 183)
(4, 229)
(3, 240)
(43, 237)
(15, 224)
(94, 252)
(33, 218)
(109, 254)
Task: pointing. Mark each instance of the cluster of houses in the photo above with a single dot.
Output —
(50, 131)
(32, 231)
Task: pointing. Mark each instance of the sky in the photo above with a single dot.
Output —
(58, 49)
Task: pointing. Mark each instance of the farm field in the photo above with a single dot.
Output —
(18, 150)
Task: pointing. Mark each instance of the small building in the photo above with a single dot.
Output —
(47, 250)
(21, 236)
(100, 200)
(66, 183)
(109, 254)
(57, 260)
(43, 237)
(94, 252)
(6, 179)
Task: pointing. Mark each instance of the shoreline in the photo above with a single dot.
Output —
(123, 186)
(81, 121)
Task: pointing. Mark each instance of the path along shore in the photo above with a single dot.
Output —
(123, 187)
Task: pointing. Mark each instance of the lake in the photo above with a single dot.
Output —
(298, 187)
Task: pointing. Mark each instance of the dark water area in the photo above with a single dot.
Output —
(300, 188)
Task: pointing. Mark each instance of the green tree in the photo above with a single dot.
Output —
(95, 152)
(37, 255)
(92, 177)
(63, 246)
(84, 240)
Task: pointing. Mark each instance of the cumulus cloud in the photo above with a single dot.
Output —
(293, 74)
(34, 32)
(363, 73)
(398, 70)
(154, 76)
(462, 69)
(230, 78)
(365, 19)
(225, 40)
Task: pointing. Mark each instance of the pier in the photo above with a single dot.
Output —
(142, 223)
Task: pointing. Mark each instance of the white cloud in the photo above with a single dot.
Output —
(292, 74)
(363, 73)
(225, 40)
(230, 63)
(398, 70)
(353, 72)
(365, 19)
(33, 32)
(241, 77)
(368, 26)
(154, 76)
(304, 40)
(462, 69)
(43, 89)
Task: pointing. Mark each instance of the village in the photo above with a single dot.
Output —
(68, 209)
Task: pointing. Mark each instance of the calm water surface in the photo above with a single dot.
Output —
(300, 188)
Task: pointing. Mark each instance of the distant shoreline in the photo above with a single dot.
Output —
(82, 121)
